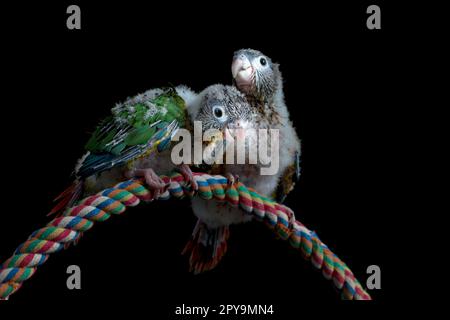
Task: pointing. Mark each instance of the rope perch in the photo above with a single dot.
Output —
(62, 231)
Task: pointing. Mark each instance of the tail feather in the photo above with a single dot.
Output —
(67, 198)
(206, 247)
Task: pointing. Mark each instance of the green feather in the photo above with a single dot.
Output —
(134, 124)
(140, 135)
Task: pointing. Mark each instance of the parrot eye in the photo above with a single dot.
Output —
(263, 61)
(219, 112)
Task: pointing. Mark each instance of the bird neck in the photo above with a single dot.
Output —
(267, 105)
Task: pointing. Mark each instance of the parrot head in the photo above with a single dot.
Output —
(225, 109)
(255, 74)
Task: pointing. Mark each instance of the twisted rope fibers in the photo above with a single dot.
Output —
(64, 230)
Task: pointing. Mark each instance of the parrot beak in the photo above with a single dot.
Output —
(242, 71)
(236, 130)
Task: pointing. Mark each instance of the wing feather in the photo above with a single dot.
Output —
(133, 131)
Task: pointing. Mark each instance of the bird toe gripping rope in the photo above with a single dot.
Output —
(62, 231)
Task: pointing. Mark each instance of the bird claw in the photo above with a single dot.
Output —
(156, 185)
(186, 171)
(232, 179)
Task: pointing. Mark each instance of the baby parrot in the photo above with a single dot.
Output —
(261, 81)
(129, 142)
(226, 109)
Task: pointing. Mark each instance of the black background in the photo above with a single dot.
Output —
(341, 85)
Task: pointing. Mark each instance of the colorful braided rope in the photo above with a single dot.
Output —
(64, 230)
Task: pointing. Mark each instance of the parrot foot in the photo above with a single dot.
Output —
(154, 182)
(232, 179)
(186, 171)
